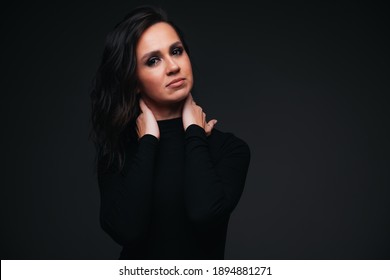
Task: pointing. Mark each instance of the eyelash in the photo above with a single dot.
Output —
(180, 49)
(154, 60)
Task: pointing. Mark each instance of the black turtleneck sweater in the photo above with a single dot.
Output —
(174, 196)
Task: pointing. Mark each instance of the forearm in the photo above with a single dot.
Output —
(126, 196)
(213, 188)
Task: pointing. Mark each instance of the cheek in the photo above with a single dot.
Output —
(188, 66)
(150, 82)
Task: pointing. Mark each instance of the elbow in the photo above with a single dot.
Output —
(206, 215)
(125, 234)
(198, 217)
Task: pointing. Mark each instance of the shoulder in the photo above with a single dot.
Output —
(228, 142)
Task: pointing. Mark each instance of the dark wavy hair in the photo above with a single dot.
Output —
(115, 102)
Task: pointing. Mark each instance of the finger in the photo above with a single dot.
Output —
(142, 104)
(212, 123)
(191, 98)
(137, 128)
(210, 126)
(188, 100)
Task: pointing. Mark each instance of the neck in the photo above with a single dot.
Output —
(165, 112)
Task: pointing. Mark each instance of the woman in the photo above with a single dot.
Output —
(168, 180)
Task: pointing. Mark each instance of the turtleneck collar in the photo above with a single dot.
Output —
(170, 126)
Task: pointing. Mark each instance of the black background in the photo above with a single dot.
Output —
(305, 85)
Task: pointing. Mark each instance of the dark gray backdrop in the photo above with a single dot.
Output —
(306, 86)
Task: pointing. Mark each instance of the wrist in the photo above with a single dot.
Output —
(157, 135)
(189, 123)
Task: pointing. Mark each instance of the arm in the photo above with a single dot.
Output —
(213, 189)
(126, 196)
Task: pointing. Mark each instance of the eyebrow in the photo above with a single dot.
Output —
(157, 52)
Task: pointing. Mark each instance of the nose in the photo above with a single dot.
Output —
(172, 66)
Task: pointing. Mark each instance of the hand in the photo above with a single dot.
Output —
(193, 114)
(146, 122)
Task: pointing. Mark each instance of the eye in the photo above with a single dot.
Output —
(152, 61)
(177, 51)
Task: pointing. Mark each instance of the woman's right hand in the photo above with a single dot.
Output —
(146, 122)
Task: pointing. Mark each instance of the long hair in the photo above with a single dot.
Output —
(115, 103)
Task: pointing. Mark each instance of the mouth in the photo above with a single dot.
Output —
(175, 83)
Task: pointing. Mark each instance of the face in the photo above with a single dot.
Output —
(163, 67)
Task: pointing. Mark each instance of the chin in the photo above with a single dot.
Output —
(180, 95)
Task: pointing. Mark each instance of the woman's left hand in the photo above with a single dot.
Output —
(193, 114)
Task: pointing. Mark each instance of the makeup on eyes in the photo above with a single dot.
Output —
(154, 56)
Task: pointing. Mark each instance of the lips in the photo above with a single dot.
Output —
(175, 82)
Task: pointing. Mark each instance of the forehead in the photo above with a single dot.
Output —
(157, 37)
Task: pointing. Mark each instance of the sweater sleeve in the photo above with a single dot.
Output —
(213, 189)
(126, 196)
